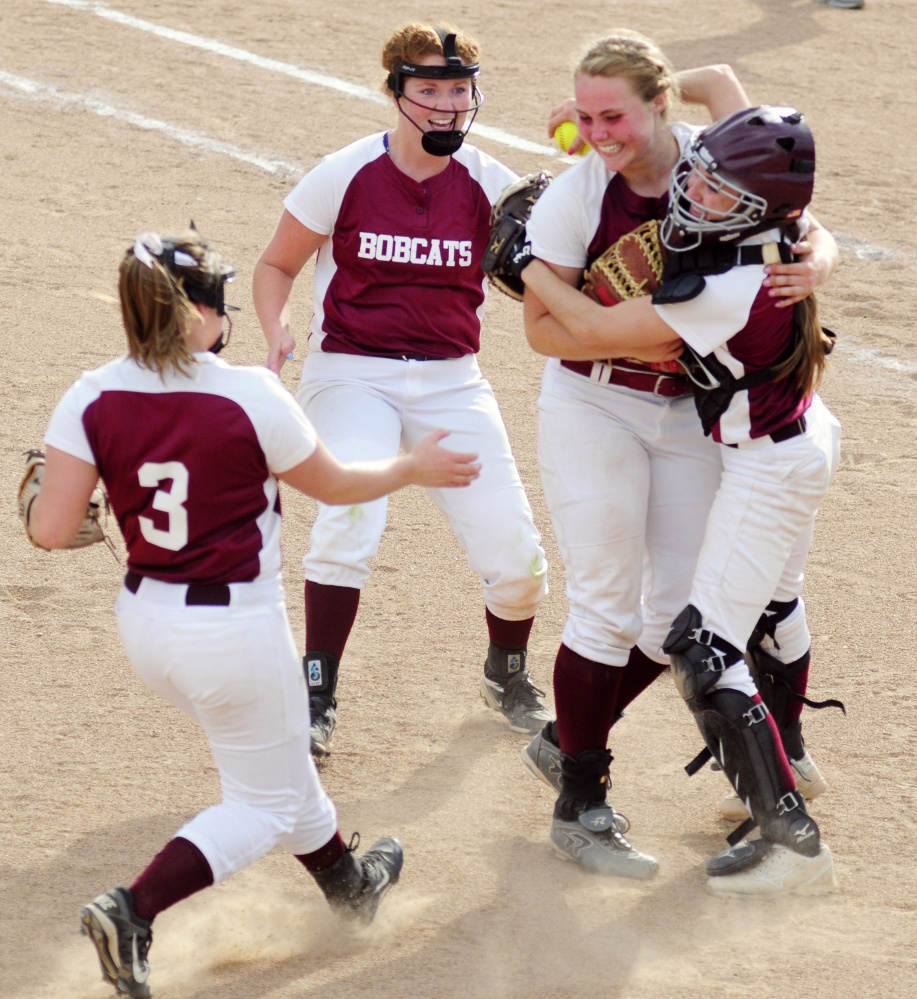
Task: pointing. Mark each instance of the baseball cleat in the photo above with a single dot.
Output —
(323, 721)
(593, 841)
(781, 872)
(354, 886)
(122, 940)
(542, 760)
(516, 698)
(809, 783)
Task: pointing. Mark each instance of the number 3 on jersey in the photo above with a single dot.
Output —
(172, 503)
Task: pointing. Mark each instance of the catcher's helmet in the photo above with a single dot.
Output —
(764, 157)
(447, 142)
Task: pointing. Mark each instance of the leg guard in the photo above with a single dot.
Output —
(737, 733)
(774, 678)
(736, 730)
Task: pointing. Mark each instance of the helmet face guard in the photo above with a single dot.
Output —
(763, 158)
(448, 141)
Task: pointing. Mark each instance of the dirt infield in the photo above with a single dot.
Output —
(107, 128)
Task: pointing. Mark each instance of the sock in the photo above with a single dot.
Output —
(639, 673)
(325, 856)
(798, 684)
(330, 613)
(586, 699)
(508, 634)
(177, 871)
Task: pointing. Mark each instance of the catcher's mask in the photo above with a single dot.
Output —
(202, 281)
(447, 142)
(763, 158)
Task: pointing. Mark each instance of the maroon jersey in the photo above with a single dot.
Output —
(401, 270)
(189, 463)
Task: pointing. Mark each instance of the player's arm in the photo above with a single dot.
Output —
(272, 284)
(717, 88)
(562, 322)
(59, 508)
(819, 256)
(323, 477)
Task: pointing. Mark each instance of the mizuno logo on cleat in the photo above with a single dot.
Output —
(315, 672)
(514, 663)
(805, 833)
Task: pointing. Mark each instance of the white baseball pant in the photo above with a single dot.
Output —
(364, 408)
(629, 479)
(236, 670)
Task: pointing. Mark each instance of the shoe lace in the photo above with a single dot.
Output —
(519, 690)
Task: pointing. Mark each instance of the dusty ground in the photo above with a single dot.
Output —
(96, 773)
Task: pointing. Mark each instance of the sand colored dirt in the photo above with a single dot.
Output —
(96, 773)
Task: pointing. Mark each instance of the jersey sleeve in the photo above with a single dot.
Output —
(66, 431)
(285, 432)
(560, 228)
(719, 312)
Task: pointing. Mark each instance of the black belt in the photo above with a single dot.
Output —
(197, 595)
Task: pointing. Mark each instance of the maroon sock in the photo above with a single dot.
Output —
(330, 613)
(639, 673)
(177, 871)
(586, 698)
(508, 634)
(323, 857)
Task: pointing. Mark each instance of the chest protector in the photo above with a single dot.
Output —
(684, 278)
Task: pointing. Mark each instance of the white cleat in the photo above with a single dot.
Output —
(781, 872)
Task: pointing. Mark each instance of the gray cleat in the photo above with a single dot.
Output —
(517, 699)
(542, 760)
(592, 841)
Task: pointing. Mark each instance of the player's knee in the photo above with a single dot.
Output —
(698, 655)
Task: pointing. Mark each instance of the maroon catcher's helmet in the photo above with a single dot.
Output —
(764, 157)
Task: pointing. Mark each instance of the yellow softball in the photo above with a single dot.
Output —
(564, 135)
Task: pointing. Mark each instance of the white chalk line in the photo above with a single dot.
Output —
(194, 140)
(287, 69)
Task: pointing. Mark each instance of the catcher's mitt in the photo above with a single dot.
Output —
(505, 256)
(90, 531)
(629, 268)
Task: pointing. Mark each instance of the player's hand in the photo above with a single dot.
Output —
(791, 283)
(565, 112)
(436, 466)
(280, 351)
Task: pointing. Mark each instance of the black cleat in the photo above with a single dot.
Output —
(354, 886)
(122, 940)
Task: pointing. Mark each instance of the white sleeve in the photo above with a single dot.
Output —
(313, 202)
(718, 312)
(285, 433)
(65, 430)
(560, 228)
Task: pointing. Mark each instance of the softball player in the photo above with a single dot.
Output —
(628, 475)
(400, 221)
(190, 451)
(746, 179)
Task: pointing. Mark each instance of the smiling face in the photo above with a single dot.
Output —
(435, 105)
(619, 125)
(710, 198)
